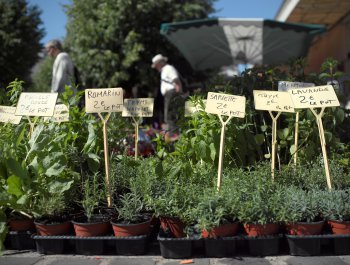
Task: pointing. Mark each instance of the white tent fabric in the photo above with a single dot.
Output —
(213, 43)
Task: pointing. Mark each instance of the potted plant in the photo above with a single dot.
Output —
(260, 209)
(132, 219)
(52, 217)
(304, 221)
(215, 216)
(337, 211)
(304, 208)
(91, 223)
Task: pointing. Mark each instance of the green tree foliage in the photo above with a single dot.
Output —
(112, 41)
(42, 75)
(20, 35)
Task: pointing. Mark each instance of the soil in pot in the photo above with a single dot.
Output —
(261, 230)
(225, 230)
(339, 227)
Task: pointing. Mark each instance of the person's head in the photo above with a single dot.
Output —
(53, 47)
(159, 61)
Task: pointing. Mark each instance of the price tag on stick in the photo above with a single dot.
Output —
(317, 97)
(136, 108)
(102, 100)
(285, 86)
(227, 105)
(7, 115)
(37, 105)
(273, 101)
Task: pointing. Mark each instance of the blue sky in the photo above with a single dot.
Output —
(54, 18)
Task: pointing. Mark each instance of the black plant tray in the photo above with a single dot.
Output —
(264, 245)
(20, 240)
(178, 248)
(220, 247)
(308, 245)
(130, 245)
(340, 244)
(98, 245)
(52, 244)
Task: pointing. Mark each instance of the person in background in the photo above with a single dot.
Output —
(170, 86)
(63, 68)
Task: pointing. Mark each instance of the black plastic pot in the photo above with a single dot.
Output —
(264, 245)
(21, 240)
(220, 247)
(304, 245)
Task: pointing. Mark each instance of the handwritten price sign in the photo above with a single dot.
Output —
(273, 100)
(60, 114)
(36, 104)
(225, 104)
(138, 107)
(104, 100)
(7, 115)
(314, 97)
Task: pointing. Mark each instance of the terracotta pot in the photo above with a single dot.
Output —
(224, 230)
(21, 225)
(304, 228)
(53, 229)
(174, 225)
(92, 229)
(340, 227)
(131, 229)
(261, 230)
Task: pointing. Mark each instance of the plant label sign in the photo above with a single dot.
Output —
(98, 100)
(273, 101)
(36, 104)
(191, 108)
(138, 107)
(287, 85)
(225, 104)
(314, 97)
(7, 115)
(60, 114)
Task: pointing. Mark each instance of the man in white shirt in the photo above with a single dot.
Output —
(63, 68)
(170, 85)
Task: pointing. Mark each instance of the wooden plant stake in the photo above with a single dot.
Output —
(222, 149)
(296, 138)
(32, 125)
(104, 100)
(106, 151)
(278, 101)
(273, 142)
(317, 97)
(285, 86)
(136, 108)
(136, 124)
(323, 144)
(227, 105)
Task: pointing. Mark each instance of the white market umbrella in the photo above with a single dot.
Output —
(215, 43)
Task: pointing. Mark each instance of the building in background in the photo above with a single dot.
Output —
(335, 42)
